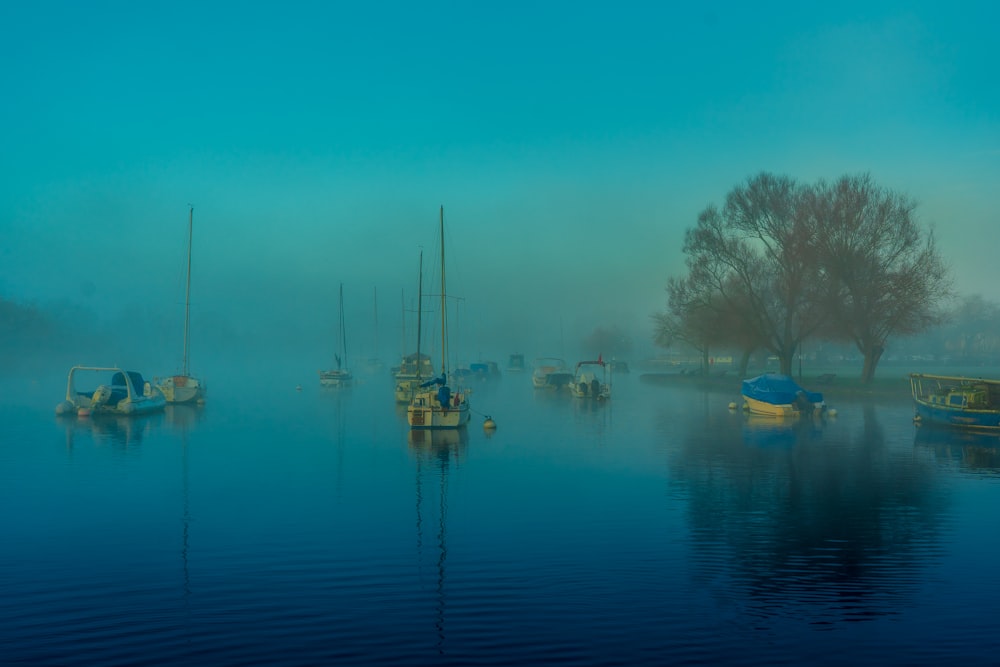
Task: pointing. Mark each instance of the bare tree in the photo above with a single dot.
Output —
(757, 255)
(885, 273)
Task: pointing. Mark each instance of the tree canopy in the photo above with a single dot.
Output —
(782, 261)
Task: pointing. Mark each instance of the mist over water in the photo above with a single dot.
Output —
(310, 526)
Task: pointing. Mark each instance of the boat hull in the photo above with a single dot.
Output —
(426, 412)
(957, 417)
(335, 378)
(758, 407)
(182, 389)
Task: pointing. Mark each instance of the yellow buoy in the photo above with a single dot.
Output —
(831, 413)
(489, 424)
(732, 405)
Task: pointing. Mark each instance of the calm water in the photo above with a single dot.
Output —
(310, 528)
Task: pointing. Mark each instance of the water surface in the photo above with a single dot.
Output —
(311, 527)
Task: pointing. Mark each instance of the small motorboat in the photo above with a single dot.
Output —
(124, 393)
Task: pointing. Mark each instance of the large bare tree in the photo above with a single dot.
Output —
(758, 256)
(885, 272)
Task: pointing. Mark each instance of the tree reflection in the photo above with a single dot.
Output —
(817, 528)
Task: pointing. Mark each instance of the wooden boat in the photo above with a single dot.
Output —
(590, 380)
(777, 395)
(183, 387)
(956, 401)
(340, 376)
(550, 373)
(125, 394)
(435, 405)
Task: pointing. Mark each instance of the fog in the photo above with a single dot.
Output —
(317, 149)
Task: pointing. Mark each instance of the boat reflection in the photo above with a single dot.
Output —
(118, 431)
(438, 448)
(974, 450)
(438, 443)
(183, 415)
(777, 432)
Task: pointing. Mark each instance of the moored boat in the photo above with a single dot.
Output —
(550, 373)
(436, 405)
(413, 370)
(515, 363)
(341, 376)
(779, 396)
(590, 380)
(183, 387)
(125, 394)
(956, 401)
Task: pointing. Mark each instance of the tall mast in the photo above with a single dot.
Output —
(343, 330)
(187, 291)
(420, 295)
(444, 305)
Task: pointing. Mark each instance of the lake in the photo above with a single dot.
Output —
(283, 527)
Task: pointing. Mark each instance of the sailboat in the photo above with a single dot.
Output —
(435, 405)
(183, 388)
(417, 367)
(374, 363)
(340, 376)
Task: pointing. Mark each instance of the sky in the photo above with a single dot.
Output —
(570, 144)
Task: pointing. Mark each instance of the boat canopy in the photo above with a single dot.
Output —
(777, 390)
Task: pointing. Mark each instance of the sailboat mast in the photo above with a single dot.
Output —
(343, 329)
(420, 295)
(444, 306)
(187, 291)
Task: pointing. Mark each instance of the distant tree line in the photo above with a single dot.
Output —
(781, 262)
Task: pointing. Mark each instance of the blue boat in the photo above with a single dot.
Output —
(779, 396)
(956, 401)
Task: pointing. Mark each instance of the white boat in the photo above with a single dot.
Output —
(590, 380)
(124, 393)
(436, 405)
(550, 373)
(340, 376)
(183, 387)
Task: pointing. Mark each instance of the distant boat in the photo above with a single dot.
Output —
(485, 370)
(125, 394)
(340, 376)
(550, 373)
(779, 396)
(183, 388)
(374, 363)
(417, 367)
(435, 405)
(956, 401)
(515, 363)
(590, 380)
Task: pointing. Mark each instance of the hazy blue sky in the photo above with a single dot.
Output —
(571, 144)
